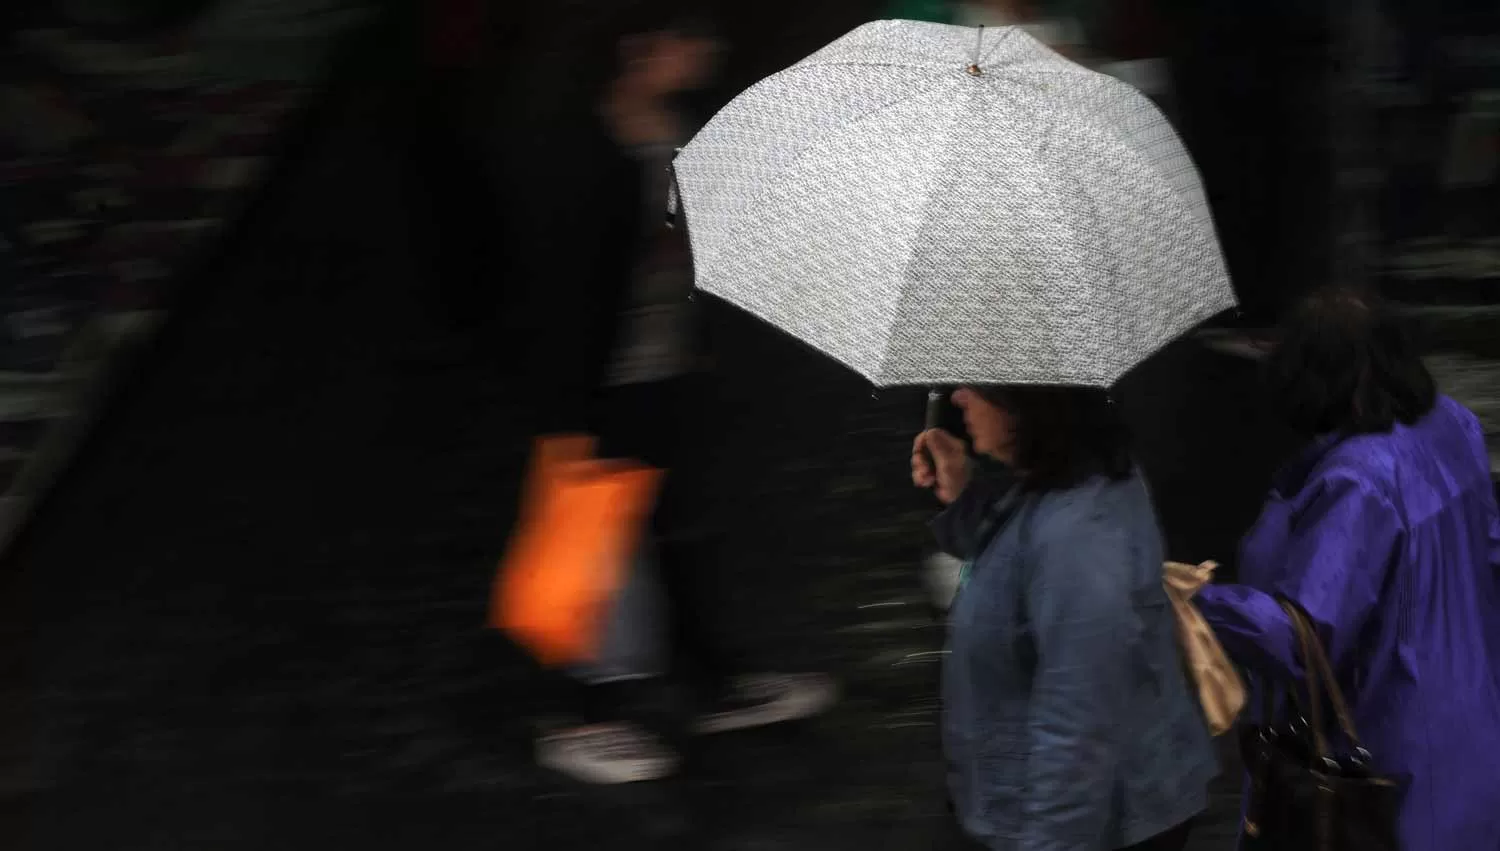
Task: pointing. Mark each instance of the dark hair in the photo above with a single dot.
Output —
(1345, 364)
(1064, 435)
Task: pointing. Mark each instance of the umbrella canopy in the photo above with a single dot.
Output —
(933, 204)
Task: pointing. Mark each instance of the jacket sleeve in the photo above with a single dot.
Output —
(1080, 609)
(1340, 543)
(959, 526)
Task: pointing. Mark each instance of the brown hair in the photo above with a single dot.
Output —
(1064, 435)
(1345, 364)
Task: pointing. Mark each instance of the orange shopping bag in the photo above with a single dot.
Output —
(578, 532)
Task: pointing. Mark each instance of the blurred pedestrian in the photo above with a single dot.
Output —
(1069, 722)
(1385, 533)
(622, 358)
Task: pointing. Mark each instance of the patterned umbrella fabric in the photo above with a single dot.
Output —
(933, 204)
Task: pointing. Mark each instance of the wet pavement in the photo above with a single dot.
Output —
(250, 619)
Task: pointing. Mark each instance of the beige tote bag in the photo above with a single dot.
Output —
(1220, 688)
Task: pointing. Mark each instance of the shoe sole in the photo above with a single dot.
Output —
(603, 774)
(811, 702)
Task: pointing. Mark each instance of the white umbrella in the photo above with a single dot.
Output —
(932, 204)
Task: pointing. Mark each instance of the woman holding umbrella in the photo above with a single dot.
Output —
(1069, 723)
(943, 205)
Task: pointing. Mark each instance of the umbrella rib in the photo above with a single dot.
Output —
(1084, 193)
(688, 199)
(815, 144)
(990, 49)
(1165, 179)
(846, 63)
(994, 47)
(911, 254)
(937, 67)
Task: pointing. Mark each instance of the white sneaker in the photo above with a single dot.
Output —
(606, 754)
(761, 699)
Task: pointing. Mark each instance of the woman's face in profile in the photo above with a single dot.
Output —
(989, 425)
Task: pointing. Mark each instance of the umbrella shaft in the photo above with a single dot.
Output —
(934, 409)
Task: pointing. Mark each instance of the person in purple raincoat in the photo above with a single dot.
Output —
(1384, 530)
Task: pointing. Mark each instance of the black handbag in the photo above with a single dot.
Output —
(1303, 795)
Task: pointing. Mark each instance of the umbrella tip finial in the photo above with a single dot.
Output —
(974, 70)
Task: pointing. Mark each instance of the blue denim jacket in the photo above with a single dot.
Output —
(1069, 724)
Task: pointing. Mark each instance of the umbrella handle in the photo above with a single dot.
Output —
(933, 420)
(934, 409)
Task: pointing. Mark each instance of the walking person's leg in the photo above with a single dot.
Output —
(728, 694)
(620, 699)
(602, 738)
(617, 697)
(630, 711)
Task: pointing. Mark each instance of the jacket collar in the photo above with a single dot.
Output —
(1293, 475)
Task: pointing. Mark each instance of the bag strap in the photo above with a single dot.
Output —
(1331, 684)
(1311, 679)
(1318, 674)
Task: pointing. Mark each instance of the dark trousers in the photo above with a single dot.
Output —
(661, 424)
